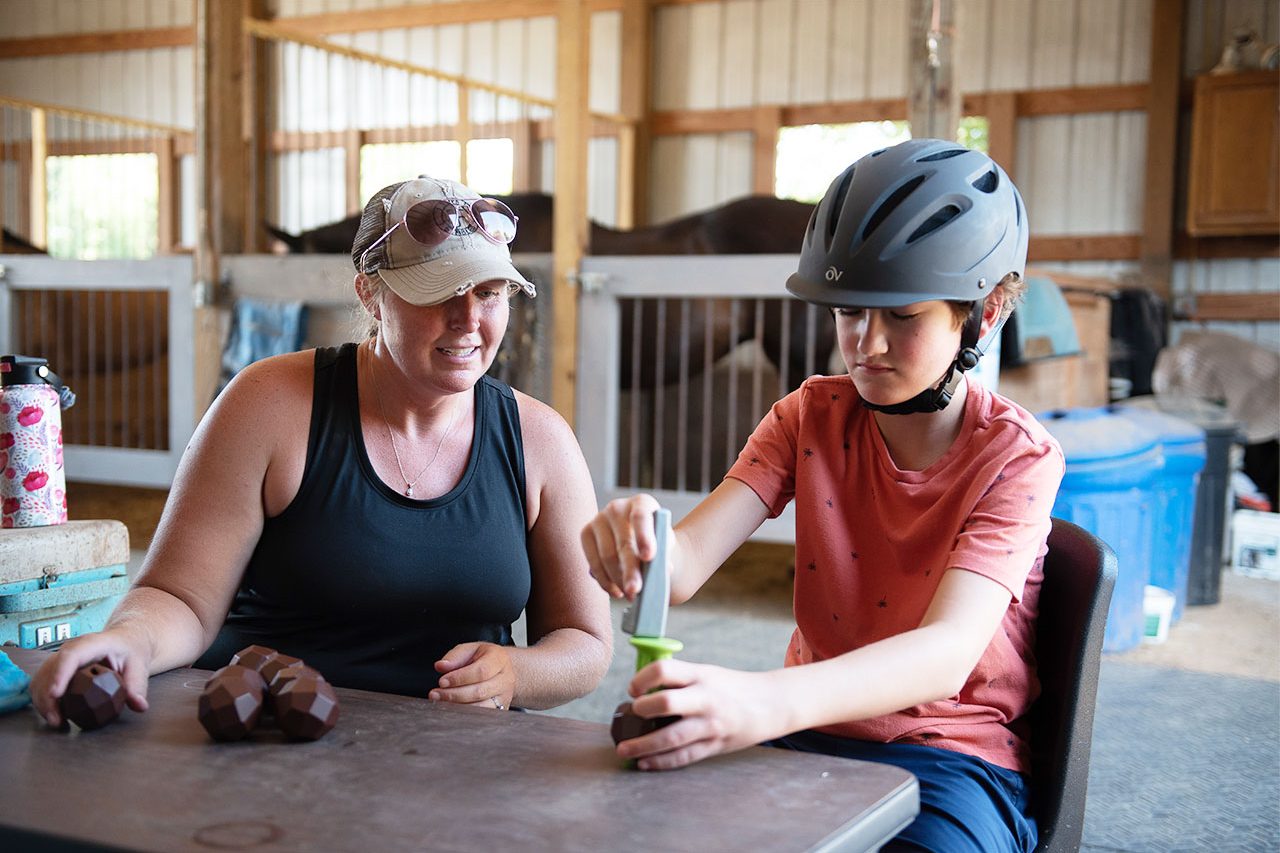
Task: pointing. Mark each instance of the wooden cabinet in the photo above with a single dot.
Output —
(1235, 155)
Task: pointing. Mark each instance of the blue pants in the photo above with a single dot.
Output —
(966, 804)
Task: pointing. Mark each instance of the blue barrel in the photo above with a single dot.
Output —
(1112, 464)
(1183, 445)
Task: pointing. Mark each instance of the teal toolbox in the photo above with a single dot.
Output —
(60, 581)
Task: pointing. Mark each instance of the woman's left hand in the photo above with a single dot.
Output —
(721, 710)
(476, 674)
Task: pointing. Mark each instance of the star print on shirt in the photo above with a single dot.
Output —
(853, 555)
(813, 566)
(846, 445)
(829, 503)
(807, 453)
(835, 396)
(884, 602)
(755, 460)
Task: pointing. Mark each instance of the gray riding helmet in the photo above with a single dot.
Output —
(924, 219)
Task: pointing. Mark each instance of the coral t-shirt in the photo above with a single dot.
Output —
(873, 541)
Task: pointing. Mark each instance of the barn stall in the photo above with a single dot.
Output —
(630, 113)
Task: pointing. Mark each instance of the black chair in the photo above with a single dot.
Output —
(1079, 574)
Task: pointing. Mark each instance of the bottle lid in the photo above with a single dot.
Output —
(25, 370)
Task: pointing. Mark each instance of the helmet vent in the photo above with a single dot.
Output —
(891, 204)
(988, 182)
(841, 192)
(943, 155)
(933, 223)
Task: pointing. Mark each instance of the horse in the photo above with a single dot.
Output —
(12, 244)
(748, 225)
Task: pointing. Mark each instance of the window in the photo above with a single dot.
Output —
(382, 165)
(489, 164)
(102, 206)
(810, 156)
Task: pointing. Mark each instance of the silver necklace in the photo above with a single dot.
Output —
(391, 434)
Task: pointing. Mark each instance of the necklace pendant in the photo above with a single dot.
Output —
(408, 491)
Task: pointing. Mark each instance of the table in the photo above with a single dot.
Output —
(399, 773)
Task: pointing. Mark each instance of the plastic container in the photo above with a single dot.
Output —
(1213, 495)
(1183, 445)
(1108, 489)
(1157, 608)
(1255, 544)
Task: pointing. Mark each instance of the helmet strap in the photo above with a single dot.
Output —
(938, 397)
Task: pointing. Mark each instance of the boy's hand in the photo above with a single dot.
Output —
(618, 541)
(721, 710)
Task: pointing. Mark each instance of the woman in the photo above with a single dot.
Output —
(922, 509)
(384, 511)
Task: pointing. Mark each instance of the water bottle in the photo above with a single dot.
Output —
(33, 484)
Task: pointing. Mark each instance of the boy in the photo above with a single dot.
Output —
(922, 509)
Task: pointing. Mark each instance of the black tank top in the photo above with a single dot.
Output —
(371, 587)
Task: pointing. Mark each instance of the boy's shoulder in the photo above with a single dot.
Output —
(1006, 417)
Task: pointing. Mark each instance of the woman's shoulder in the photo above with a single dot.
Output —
(538, 421)
(270, 391)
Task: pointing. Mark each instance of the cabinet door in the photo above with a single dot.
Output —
(1235, 147)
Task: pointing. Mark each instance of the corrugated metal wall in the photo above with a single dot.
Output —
(1080, 174)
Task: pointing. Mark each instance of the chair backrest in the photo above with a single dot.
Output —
(1079, 574)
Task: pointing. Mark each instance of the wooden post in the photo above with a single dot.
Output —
(764, 171)
(259, 83)
(464, 130)
(39, 224)
(168, 197)
(525, 175)
(1002, 131)
(1162, 144)
(570, 224)
(221, 164)
(352, 141)
(634, 139)
(933, 103)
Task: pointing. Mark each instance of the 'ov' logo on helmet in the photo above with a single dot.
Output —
(834, 274)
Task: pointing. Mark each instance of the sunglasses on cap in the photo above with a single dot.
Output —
(435, 220)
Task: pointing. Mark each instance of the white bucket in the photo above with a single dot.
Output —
(1157, 610)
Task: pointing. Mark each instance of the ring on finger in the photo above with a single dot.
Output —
(497, 703)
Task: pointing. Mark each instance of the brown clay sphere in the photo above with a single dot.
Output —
(254, 657)
(94, 697)
(306, 707)
(627, 724)
(277, 662)
(231, 703)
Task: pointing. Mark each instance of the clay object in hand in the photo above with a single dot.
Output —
(254, 657)
(306, 707)
(94, 697)
(231, 702)
(628, 724)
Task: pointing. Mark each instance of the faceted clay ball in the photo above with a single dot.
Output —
(306, 707)
(94, 697)
(254, 657)
(231, 702)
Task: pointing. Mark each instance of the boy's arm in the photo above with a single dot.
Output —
(724, 710)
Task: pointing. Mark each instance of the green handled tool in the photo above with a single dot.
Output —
(646, 619)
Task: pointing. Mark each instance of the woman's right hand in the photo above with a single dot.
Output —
(115, 648)
(618, 541)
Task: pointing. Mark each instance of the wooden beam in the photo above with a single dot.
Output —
(764, 169)
(39, 188)
(104, 42)
(1084, 99)
(1002, 130)
(1100, 247)
(260, 83)
(1162, 144)
(1213, 248)
(525, 174)
(434, 15)
(570, 223)
(933, 103)
(168, 198)
(1245, 307)
(634, 98)
(351, 150)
